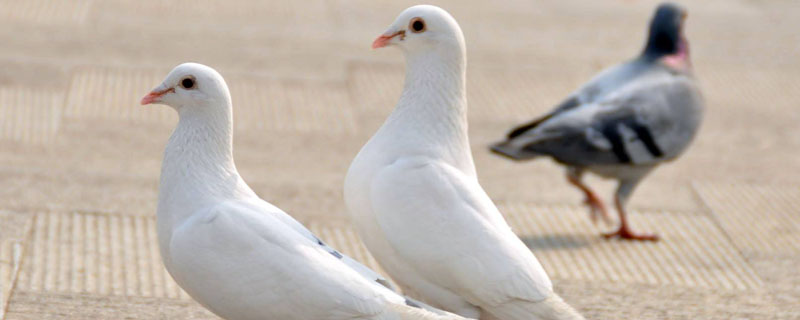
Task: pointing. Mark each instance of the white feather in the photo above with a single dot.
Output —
(236, 254)
(413, 193)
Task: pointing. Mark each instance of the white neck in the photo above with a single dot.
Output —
(431, 116)
(198, 168)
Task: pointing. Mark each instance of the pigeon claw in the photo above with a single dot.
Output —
(626, 234)
(597, 209)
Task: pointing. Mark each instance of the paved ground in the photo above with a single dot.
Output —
(79, 160)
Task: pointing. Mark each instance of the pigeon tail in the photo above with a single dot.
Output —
(551, 308)
(405, 312)
(508, 150)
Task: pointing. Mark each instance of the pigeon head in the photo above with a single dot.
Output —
(666, 31)
(190, 86)
(422, 28)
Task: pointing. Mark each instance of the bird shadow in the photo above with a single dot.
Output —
(556, 242)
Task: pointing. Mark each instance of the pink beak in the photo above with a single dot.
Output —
(155, 96)
(383, 40)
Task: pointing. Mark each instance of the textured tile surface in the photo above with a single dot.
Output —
(80, 159)
(764, 222)
(759, 218)
(259, 104)
(10, 259)
(46, 12)
(15, 229)
(29, 115)
(35, 305)
(98, 254)
(694, 252)
(111, 93)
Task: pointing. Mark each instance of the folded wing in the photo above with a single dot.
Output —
(443, 224)
(648, 121)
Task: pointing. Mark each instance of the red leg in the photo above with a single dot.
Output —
(624, 231)
(596, 206)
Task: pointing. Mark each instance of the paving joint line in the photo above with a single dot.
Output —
(718, 224)
(18, 259)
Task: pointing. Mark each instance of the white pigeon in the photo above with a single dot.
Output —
(239, 256)
(414, 196)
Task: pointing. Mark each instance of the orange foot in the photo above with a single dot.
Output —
(626, 234)
(597, 209)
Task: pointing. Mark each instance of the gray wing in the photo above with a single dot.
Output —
(605, 82)
(648, 121)
(571, 103)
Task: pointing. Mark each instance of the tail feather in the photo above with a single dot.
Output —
(518, 131)
(552, 308)
(509, 150)
(404, 312)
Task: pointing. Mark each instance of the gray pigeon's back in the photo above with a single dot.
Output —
(610, 80)
(640, 112)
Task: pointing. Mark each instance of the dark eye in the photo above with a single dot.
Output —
(187, 83)
(417, 25)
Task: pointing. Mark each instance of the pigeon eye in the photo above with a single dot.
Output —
(417, 25)
(187, 83)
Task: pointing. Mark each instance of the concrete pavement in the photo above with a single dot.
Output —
(79, 159)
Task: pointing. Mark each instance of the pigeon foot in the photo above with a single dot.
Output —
(626, 234)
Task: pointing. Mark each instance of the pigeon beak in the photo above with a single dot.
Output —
(155, 96)
(386, 38)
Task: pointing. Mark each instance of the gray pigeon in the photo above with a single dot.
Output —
(624, 122)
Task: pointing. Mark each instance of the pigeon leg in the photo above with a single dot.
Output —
(624, 232)
(596, 206)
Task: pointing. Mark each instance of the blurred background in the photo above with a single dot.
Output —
(80, 159)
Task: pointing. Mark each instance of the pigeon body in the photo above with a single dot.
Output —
(239, 256)
(413, 193)
(625, 121)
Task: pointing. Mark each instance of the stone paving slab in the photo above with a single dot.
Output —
(115, 255)
(46, 12)
(29, 115)
(111, 261)
(79, 159)
(36, 306)
(604, 300)
(694, 254)
(10, 258)
(15, 228)
(261, 104)
(763, 222)
(758, 218)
